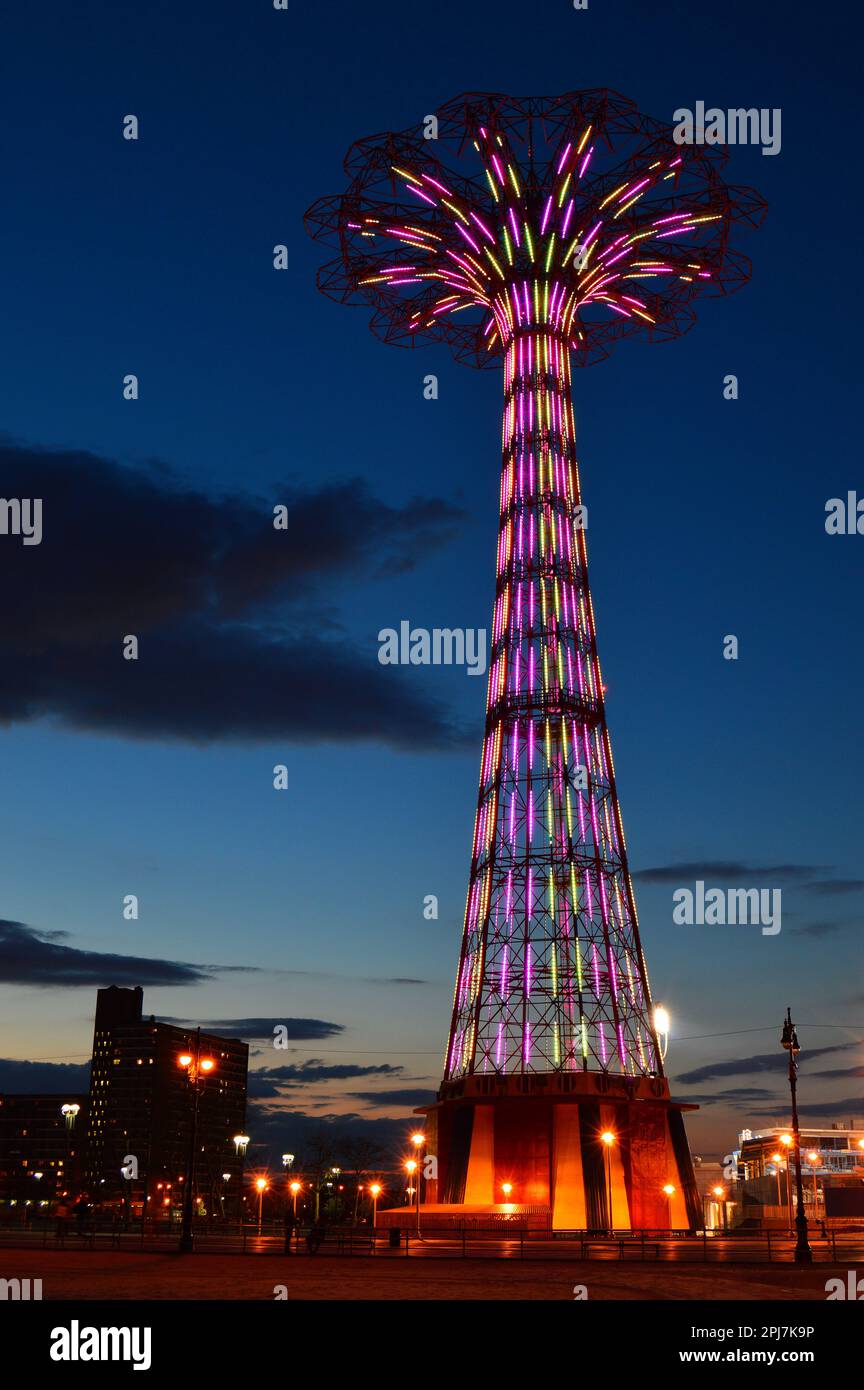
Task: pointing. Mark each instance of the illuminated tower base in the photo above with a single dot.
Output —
(530, 1149)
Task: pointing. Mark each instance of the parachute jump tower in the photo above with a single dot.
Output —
(556, 227)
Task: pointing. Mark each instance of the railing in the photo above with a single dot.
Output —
(708, 1247)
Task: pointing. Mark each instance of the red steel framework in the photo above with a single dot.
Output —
(582, 222)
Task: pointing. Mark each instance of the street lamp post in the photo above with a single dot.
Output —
(789, 1040)
(197, 1070)
(813, 1160)
(70, 1115)
(418, 1140)
(669, 1189)
(411, 1169)
(241, 1144)
(608, 1139)
(261, 1187)
(375, 1189)
(777, 1159)
(787, 1141)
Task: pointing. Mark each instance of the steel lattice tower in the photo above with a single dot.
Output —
(551, 975)
(581, 222)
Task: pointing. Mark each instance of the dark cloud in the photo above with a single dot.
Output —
(273, 1082)
(275, 1131)
(405, 1097)
(851, 1109)
(258, 1087)
(395, 980)
(31, 957)
(231, 644)
(298, 1029)
(742, 1095)
(818, 929)
(21, 1078)
(838, 1074)
(834, 885)
(358, 979)
(306, 1073)
(748, 1066)
(728, 870)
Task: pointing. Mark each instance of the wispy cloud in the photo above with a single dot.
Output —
(257, 1029)
(726, 870)
(742, 1096)
(408, 1096)
(851, 1109)
(834, 886)
(279, 1081)
(819, 929)
(752, 1066)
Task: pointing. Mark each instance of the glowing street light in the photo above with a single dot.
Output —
(777, 1159)
(669, 1190)
(418, 1139)
(608, 1139)
(241, 1142)
(70, 1114)
(662, 1025)
(814, 1159)
(197, 1069)
(375, 1189)
(261, 1185)
(413, 1191)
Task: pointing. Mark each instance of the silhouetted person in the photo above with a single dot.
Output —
(315, 1237)
(62, 1215)
(290, 1226)
(82, 1209)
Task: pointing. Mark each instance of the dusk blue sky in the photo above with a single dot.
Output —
(706, 518)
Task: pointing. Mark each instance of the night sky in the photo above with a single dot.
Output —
(155, 778)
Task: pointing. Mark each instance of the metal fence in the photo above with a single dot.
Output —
(705, 1247)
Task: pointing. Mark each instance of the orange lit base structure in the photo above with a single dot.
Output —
(528, 1148)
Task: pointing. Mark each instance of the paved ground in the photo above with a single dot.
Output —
(120, 1275)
